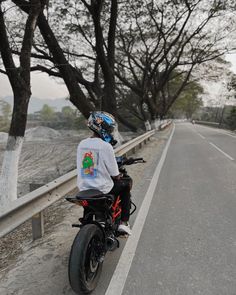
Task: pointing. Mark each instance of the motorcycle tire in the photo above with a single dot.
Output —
(84, 267)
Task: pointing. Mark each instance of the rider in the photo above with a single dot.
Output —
(97, 166)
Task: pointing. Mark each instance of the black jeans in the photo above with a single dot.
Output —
(121, 188)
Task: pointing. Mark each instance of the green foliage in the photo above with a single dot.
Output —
(232, 84)
(5, 115)
(47, 113)
(231, 119)
(210, 114)
(188, 102)
(67, 112)
(225, 116)
(80, 122)
(68, 118)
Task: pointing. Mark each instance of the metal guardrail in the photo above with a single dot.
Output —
(33, 204)
(213, 124)
(165, 124)
(222, 126)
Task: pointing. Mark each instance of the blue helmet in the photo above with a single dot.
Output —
(103, 124)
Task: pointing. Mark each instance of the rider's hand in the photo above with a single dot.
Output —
(117, 177)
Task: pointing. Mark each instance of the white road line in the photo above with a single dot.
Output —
(121, 272)
(220, 131)
(225, 133)
(229, 134)
(200, 135)
(229, 157)
(192, 129)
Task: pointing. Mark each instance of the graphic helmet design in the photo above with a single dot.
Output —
(103, 124)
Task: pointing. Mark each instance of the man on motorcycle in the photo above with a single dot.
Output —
(97, 166)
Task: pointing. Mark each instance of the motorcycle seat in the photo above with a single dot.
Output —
(93, 195)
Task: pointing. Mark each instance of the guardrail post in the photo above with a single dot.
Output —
(38, 226)
(133, 151)
(38, 219)
(129, 153)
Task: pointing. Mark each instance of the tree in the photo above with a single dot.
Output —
(104, 57)
(105, 52)
(56, 56)
(19, 77)
(164, 38)
(101, 18)
(188, 102)
(153, 41)
(47, 113)
(231, 86)
(231, 119)
(70, 117)
(67, 111)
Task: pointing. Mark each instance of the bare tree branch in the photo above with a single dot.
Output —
(45, 70)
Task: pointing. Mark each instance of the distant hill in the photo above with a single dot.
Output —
(36, 104)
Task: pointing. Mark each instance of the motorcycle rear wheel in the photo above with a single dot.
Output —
(84, 265)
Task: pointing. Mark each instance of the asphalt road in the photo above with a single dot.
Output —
(188, 242)
(184, 234)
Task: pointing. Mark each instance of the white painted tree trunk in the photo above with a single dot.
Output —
(155, 124)
(147, 126)
(9, 171)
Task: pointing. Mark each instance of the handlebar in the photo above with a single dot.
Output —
(137, 159)
(128, 161)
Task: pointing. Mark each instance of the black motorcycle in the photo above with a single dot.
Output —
(98, 232)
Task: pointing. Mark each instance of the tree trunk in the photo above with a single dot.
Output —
(126, 123)
(19, 78)
(109, 97)
(155, 124)
(20, 110)
(9, 172)
(106, 61)
(147, 126)
(222, 117)
(151, 108)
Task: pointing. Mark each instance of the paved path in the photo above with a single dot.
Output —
(188, 243)
(185, 241)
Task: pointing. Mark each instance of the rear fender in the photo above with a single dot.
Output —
(98, 225)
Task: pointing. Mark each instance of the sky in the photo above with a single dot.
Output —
(44, 87)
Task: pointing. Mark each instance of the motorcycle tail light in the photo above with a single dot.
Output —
(82, 203)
